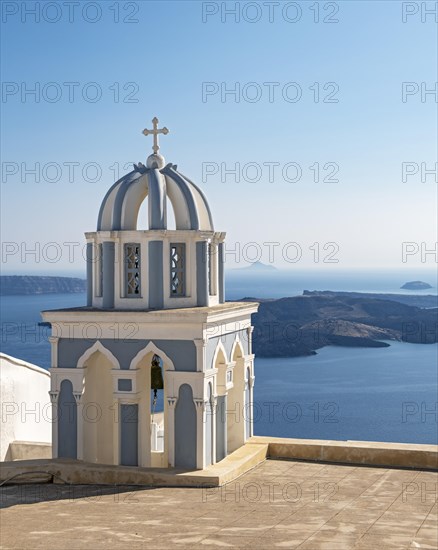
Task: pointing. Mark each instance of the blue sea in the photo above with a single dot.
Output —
(380, 394)
(366, 394)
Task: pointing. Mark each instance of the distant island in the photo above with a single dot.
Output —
(416, 285)
(298, 326)
(256, 267)
(35, 284)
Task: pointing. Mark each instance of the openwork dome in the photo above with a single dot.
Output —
(121, 205)
(156, 181)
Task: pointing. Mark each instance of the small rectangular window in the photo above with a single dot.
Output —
(124, 384)
(132, 271)
(177, 269)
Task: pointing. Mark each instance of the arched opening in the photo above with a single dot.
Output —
(99, 411)
(143, 216)
(157, 412)
(152, 409)
(171, 223)
(236, 406)
(222, 403)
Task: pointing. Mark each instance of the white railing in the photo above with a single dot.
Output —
(157, 438)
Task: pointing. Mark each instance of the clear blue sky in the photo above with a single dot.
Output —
(168, 55)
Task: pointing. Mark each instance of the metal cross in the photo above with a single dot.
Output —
(155, 133)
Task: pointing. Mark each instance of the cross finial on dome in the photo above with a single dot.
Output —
(155, 133)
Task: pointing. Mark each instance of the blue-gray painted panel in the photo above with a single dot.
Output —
(221, 283)
(156, 292)
(124, 385)
(129, 435)
(185, 429)
(67, 421)
(90, 263)
(108, 261)
(201, 274)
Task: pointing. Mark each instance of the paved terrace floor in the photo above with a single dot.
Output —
(279, 504)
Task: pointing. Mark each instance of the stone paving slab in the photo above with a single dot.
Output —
(278, 504)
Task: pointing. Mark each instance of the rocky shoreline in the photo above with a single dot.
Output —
(298, 326)
(25, 285)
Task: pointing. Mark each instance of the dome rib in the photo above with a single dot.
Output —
(157, 200)
(187, 192)
(204, 203)
(121, 204)
(107, 207)
(120, 199)
(132, 202)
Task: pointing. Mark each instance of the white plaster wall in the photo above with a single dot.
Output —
(25, 403)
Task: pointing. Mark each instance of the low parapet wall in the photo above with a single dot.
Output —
(254, 452)
(370, 453)
(26, 406)
(28, 450)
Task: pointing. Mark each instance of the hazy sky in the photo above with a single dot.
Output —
(310, 92)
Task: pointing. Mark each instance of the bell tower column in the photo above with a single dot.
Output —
(200, 432)
(171, 402)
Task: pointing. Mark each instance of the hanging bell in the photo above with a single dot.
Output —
(156, 374)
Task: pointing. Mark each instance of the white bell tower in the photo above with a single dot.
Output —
(155, 293)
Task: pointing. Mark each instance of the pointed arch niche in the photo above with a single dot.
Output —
(150, 436)
(220, 363)
(98, 407)
(236, 400)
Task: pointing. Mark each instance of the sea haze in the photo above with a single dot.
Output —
(282, 283)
